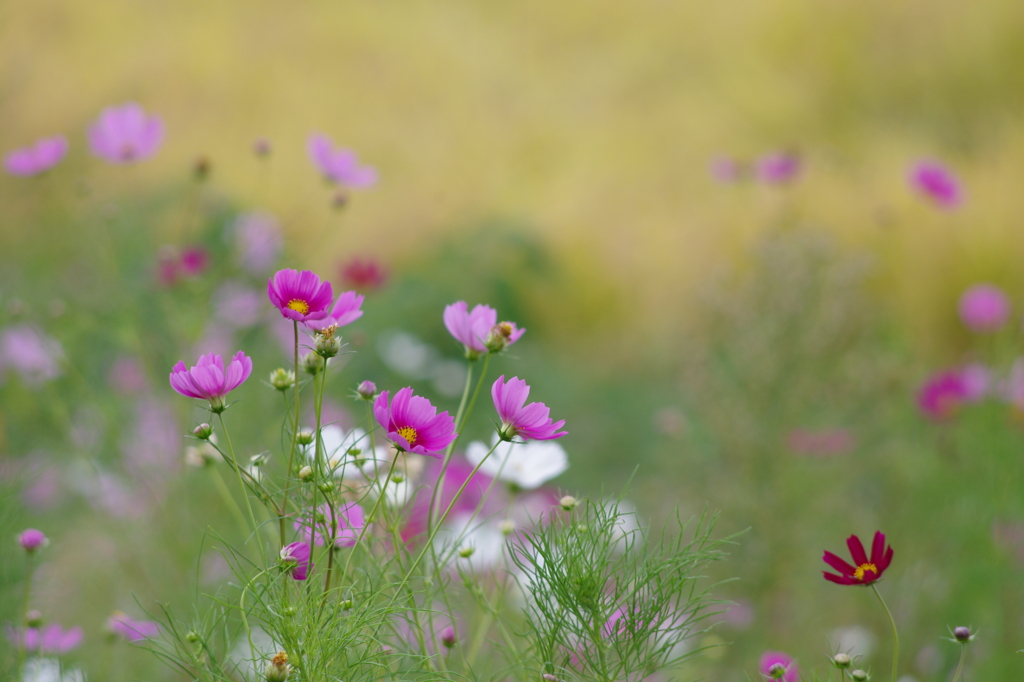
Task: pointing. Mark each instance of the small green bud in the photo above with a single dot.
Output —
(466, 552)
(568, 503)
(581, 528)
(282, 379)
(347, 604)
(306, 473)
(313, 364)
(507, 527)
(289, 611)
(203, 431)
(842, 661)
(859, 676)
(192, 636)
(304, 437)
(327, 486)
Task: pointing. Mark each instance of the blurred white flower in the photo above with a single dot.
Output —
(854, 640)
(465, 531)
(527, 465)
(48, 670)
(337, 442)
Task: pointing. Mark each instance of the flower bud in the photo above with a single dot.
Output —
(367, 390)
(466, 552)
(313, 364)
(347, 604)
(499, 337)
(32, 539)
(33, 618)
(448, 637)
(306, 473)
(327, 344)
(327, 486)
(203, 431)
(858, 675)
(289, 611)
(507, 526)
(282, 379)
(304, 437)
(962, 634)
(192, 636)
(201, 456)
(842, 661)
(548, 677)
(261, 147)
(278, 669)
(777, 671)
(568, 503)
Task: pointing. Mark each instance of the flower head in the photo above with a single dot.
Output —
(130, 629)
(346, 310)
(984, 308)
(52, 640)
(777, 168)
(209, 379)
(344, 524)
(126, 134)
(339, 165)
(525, 465)
(531, 422)
(300, 296)
(413, 424)
(470, 328)
(936, 182)
(502, 335)
(32, 539)
(778, 665)
(39, 158)
(295, 560)
(865, 570)
(942, 395)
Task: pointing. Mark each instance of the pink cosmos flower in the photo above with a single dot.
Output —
(346, 310)
(35, 356)
(777, 168)
(977, 381)
(936, 182)
(475, 495)
(363, 274)
(130, 629)
(52, 640)
(942, 395)
(209, 380)
(531, 422)
(984, 308)
(295, 558)
(339, 165)
(32, 539)
(300, 296)
(126, 134)
(344, 524)
(470, 328)
(194, 261)
(412, 424)
(771, 658)
(39, 158)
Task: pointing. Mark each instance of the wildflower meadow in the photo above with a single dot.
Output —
(538, 343)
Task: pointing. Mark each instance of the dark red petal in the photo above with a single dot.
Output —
(886, 560)
(856, 550)
(877, 547)
(838, 579)
(838, 564)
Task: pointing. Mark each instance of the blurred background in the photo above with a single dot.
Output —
(737, 291)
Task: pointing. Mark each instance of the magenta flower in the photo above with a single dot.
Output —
(295, 559)
(32, 539)
(344, 524)
(300, 296)
(363, 274)
(39, 158)
(346, 310)
(935, 181)
(478, 330)
(777, 168)
(984, 308)
(865, 570)
(209, 380)
(130, 629)
(52, 640)
(775, 658)
(821, 443)
(339, 165)
(942, 395)
(126, 134)
(412, 424)
(194, 261)
(531, 422)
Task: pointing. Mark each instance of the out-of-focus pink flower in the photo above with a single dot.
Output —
(209, 379)
(1012, 389)
(300, 296)
(942, 395)
(777, 168)
(32, 539)
(126, 134)
(459, 472)
(130, 629)
(739, 616)
(43, 489)
(52, 640)
(194, 261)
(262, 147)
(977, 381)
(470, 328)
(724, 169)
(35, 356)
(346, 310)
(363, 274)
(344, 524)
(530, 422)
(39, 158)
(152, 446)
(936, 182)
(295, 558)
(822, 443)
(167, 266)
(238, 305)
(126, 376)
(984, 308)
(258, 241)
(771, 658)
(339, 165)
(413, 424)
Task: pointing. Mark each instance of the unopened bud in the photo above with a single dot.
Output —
(306, 473)
(347, 604)
(776, 671)
(499, 337)
(304, 437)
(327, 486)
(962, 634)
(507, 526)
(466, 552)
(203, 431)
(33, 618)
(192, 637)
(289, 611)
(282, 379)
(448, 637)
(278, 669)
(312, 363)
(568, 503)
(32, 539)
(327, 344)
(261, 147)
(859, 675)
(201, 456)
(367, 390)
(581, 528)
(548, 677)
(842, 661)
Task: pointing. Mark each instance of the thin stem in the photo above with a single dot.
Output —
(895, 635)
(241, 484)
(222, 488)
(476, 392)
(22, 650)
(451, 447)
(599, 645)
(960, 666)
(295, 433)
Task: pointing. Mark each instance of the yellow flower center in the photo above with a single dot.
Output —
(409, 434)
(299, 306)
(859, 573)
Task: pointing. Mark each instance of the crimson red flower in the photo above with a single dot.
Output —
(864, 571)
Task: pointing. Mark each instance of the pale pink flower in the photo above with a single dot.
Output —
(984, 308)
(126, 134)
(339, 165)
(39, 158)
(530, 422)
(130, 629)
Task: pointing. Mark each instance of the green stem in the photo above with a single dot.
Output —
(451, 447)
(295, 435)
(241, 484)
(895, 635)
(476, 392)
(960, 666)
(24, 612)
(236, 511)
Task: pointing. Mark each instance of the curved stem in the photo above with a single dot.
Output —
(241, 484)
(960, 666)
(451, 447)
(895, 635)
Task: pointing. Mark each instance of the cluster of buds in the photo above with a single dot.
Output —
(278, 669)
(282, 379)
(327, 344)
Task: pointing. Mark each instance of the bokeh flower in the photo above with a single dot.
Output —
(209, 379)
(942, 394)
(413, 424)
(339, 165)
(344, 523)
(936, 182)
(32, 539)
(258, 241)
(769, 659)
(51, 640)
(984, 308)
(300, 296)
(777, 168)
(29, 352)
(475, 495)
(126, 134)
(346, 310)
(531, 422)
(295, 559)
(724, 169)
(194, 261)
(43, 155)
(363, 274)
(130, 629)
(525, 465)
(864, 570)
(238, 305)
(470, 328)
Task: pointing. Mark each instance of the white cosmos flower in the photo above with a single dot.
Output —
(49, 670)
(337, 442)
(527, 465)
(464, 531)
